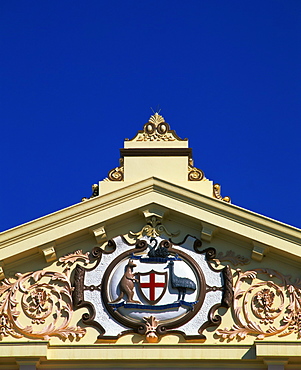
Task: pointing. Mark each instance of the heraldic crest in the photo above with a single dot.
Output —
(152, 287)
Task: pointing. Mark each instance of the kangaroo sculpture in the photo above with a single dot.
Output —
(179, 283)
(126, 284)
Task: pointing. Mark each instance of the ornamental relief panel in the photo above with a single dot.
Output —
(149, 285)
(145, 283)
(266, 303)
(38, 305)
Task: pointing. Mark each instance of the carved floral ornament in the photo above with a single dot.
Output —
(95, 192)
(156, 129)
(194, 174)
(38, 305)
(217, 194)
(153, 287)
(116, 174)
(266, 303)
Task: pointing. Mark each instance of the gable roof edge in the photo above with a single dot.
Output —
(84, 215)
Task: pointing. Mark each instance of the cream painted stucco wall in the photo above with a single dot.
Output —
(152, 186)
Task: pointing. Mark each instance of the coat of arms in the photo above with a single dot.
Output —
(153, 287)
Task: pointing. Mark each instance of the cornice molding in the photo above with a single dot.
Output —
(150, 191)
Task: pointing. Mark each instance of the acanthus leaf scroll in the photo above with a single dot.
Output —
(41, 299)
(266, 306)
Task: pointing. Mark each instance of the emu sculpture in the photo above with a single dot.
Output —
(180, 283)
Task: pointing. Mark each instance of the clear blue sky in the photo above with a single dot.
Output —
(77, 77)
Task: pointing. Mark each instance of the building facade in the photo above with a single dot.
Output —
(155, 270)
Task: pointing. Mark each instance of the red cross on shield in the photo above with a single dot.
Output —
(152, 285)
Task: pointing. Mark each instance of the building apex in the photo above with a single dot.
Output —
(156, 119)
(157, 151)
(156, 129)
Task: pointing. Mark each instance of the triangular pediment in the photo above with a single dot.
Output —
(130, 199)
(110, 269)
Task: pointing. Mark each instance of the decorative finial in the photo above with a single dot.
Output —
(156, 129)
(156, 119)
